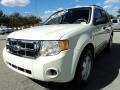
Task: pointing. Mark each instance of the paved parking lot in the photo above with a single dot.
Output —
(105, 74)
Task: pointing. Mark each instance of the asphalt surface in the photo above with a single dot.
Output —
(105, 74)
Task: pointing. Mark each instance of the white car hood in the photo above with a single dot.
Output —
(46, 32)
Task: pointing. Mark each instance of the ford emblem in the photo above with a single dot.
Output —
(16, 48)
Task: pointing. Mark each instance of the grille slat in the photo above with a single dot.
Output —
(21, 69)
(24, 48)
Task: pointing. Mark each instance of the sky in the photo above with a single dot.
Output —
(44, 8)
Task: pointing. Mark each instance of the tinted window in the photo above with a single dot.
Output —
(97, 13)
(100, 16)
(70, 16)
(104, 16)
(114, 21)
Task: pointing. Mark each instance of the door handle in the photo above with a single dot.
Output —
(107, 30)
(104, 27)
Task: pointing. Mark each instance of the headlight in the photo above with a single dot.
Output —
(50, 48)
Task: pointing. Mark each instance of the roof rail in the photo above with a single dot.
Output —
(96, 6)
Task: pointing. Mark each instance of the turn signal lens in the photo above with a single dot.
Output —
(64, 44)
(50, 48)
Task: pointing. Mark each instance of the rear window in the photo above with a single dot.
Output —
(114, 21)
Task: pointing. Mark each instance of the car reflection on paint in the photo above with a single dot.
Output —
(116, 24)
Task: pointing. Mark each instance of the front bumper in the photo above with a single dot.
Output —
(41, 67)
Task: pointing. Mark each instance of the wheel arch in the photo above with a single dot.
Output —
(91, 47)
(88, 46)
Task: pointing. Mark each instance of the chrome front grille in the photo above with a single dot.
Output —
(23, 48)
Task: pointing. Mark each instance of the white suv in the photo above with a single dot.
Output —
(116, 24)
(63, 48)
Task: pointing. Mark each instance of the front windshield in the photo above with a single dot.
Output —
(70, 16)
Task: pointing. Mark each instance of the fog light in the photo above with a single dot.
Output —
(52, 73)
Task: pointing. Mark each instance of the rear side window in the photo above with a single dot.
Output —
(114, 21)
(105, 16)
(97, 13)
(100, 16)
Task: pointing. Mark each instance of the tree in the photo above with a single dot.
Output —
(5, 21)
(118, 16)
(1, 13)
(111, 16)
(17, 20)
(118, 11)
(32, 20)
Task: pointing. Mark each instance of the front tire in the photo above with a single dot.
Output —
(84, 68)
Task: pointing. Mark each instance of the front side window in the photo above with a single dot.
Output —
(70, 16)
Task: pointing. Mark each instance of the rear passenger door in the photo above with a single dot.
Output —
(99, 38)
(107, 25)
